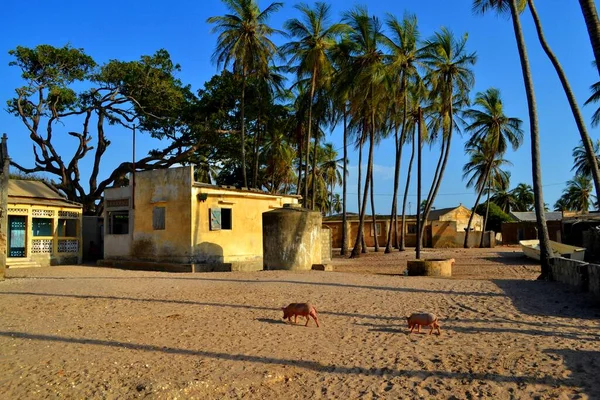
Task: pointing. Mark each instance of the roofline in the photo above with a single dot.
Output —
(241, 190)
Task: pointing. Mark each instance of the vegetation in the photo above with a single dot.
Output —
(259, 124)
(495, 216)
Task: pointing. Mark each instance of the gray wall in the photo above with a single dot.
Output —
(579, 274)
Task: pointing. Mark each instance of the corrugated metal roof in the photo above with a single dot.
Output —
(36, 192)
(530, 215)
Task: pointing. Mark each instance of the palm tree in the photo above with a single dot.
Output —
(523, 193)
(504, 199)
(330, 167)
(594, 98)
(581, 164)
(491, 131)
(244, 42)
(450, 77)
(501, 7)
(310, 54)
(585, 137)
(561, 204)
(588, 7)
(405, 59)
(485, 171)
(366, 71)
(577, 196)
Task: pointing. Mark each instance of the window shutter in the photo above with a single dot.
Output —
(158, 218)
(215, 219)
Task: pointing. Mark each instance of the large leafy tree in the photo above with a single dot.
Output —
(315, 36)
(244, 42)
(514, 7)
(450, 76)
(65, 87)
(491, 132)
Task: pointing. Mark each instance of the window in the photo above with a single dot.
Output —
(226, 218)
(220, 219)
(118, 223)
(158, 218)
(67, 228)
(412, 229)
(41, 227)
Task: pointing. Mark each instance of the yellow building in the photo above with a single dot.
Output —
(170, 218)
(43, 228)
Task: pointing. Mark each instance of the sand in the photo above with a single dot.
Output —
(88, 332)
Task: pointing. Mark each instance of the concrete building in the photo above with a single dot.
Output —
(443, 228)
(44, 228)
(170, 218)
(524, 227)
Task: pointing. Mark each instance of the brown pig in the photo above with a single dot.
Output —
(302, 309)
(423, 319)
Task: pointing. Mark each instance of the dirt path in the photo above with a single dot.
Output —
(84, 332)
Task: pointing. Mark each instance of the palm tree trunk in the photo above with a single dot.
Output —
(408, 175)
(361, 143)
(435, 184)
(344, 250)
(242, 106)
(545, 250)
(388, 246)
(361, 222)
(588, 7)
(300, 158)
(585, 137)
(480, 192)
(487, 212)
(255, 155)
(313, 188)
(310, 107)
(374, 217)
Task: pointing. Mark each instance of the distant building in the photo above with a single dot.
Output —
(524, 227)
(44, 228)
(444, 227)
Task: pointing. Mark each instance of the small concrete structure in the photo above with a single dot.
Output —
(291, 239)
(578, 274)
(433, 267)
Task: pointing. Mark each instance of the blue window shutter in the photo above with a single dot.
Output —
(215, 219)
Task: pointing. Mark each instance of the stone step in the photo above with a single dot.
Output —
(21, 263)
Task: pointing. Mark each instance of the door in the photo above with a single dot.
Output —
(17, 235)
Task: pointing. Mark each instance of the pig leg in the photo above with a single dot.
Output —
(437, 327)
(295, 318)
(307, 320)
(315, 318)
(412, 327)
(418, 328)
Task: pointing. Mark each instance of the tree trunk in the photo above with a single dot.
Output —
(545, 250)
(419, 148)
(256, 147)
(363, 209)
(410, 164)
(388, 246)
(243, 129)
(310, 107)
(588, 7)
(313, 189)
(466, 243)
(487, 212)
(435, 184)
(374, 216)
(585, 137)
(344, 250)
(300, 149)
(361, 143)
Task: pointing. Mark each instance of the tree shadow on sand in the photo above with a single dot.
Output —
(550, 299)
(303, 364)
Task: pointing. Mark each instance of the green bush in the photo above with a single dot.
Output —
(495, 217)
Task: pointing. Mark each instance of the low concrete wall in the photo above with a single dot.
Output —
(326, 244)
(117, 246)
(578, 274)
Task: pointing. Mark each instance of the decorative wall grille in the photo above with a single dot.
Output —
(41, 246)
(68, 214)
(17, 211)
(117, 203)
(68, 246)
(42, 213)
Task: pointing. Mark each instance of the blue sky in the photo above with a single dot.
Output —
(128, 29)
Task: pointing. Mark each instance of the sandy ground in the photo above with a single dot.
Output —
(87, 332)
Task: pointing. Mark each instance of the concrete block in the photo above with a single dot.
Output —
(322, 267)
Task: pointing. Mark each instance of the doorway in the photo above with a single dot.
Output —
(17, 230)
